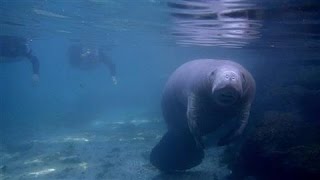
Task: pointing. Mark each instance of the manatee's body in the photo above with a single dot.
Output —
(190, 111)
(193, 76)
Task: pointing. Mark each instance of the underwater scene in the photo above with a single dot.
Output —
(160, 89)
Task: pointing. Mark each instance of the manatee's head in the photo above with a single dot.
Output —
(227, 85)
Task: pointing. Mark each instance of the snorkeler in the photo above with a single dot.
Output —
(12, 47)
(88, 58)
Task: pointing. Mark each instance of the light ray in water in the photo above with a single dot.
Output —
(48, 13)
(63, 31)
(83, 165)
(42, 172)
(77, 139)
(35, 161)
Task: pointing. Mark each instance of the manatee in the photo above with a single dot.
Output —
(198, 98)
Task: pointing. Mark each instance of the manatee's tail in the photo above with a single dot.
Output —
(176, 152)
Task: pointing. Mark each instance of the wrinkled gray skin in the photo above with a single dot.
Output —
(203, 94)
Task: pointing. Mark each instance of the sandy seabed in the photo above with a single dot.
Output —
(114, 150)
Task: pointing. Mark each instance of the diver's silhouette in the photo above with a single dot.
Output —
(83, 57)
(12, 47)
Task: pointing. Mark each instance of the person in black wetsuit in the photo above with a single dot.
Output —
(12, 47)
(85, 58)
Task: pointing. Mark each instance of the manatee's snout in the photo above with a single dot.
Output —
(226, 95)
(226, 86)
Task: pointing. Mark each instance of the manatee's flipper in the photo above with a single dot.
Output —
(228, 138)
(195, 133)
(176, 152)
(192, 116)
(241, 124)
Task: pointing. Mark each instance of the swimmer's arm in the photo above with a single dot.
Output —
(35, 67)
(35, 63)
(111, 66)
(242, 122)
(192, 116)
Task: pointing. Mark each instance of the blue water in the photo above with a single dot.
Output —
(77, 124)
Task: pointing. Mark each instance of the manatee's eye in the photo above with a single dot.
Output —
(212, 75)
